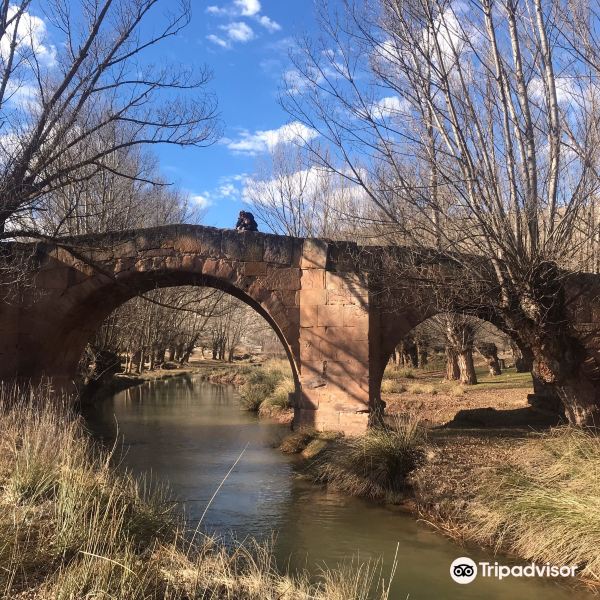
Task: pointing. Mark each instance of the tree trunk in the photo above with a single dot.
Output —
(566, 374)
(490, 353)
(522, 356)
(160, 355)
(452, 369)
(494, 366)
(581, 402)
(466, 367)
(421, 352)
(409, 351)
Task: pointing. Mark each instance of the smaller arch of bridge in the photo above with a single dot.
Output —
(394, 326)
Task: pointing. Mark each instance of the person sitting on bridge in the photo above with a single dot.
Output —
(246, 222)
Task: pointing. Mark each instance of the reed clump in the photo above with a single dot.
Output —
(267, 388)
(375, 465)
(71, 527)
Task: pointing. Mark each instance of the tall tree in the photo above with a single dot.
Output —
(473, 129)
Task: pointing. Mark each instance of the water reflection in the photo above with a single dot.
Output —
(189, 434)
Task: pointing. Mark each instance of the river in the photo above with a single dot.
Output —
(188, 433)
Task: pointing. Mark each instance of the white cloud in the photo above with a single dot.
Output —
(265, 140)
(270, 25)
(238, 31)
(247, 8)
(567, 91)
(390, 106)
(23, 95)
(295, 82)
(227, 190)
(215, 39)
(216, 10)
(31, 37)
(201, 200)
(328, 197)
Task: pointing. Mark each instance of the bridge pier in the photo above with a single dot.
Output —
(334, 355)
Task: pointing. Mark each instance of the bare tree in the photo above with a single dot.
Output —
(293, 196)
(87, 98)
(458, 122)
(109, 202)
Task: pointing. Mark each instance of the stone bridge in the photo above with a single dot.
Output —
(337, 327)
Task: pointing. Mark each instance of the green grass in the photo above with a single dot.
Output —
(398, 380)
(72, 528)
(548, 507)
(508, 380)
(267, 388)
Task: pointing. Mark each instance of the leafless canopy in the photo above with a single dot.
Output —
(473, 129)
(78, 85)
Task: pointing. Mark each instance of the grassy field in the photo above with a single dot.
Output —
(71, 528)
(533, 495)
(437, 401)
(508, 380)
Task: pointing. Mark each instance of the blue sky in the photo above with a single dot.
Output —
(246, 44)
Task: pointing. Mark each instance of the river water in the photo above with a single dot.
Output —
(189, 433)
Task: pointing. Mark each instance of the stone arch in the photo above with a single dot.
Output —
(394, 327)
(314, 293)
(88, 307)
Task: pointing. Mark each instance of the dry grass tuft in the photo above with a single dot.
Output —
(420, 388)
(457, 391)
(297, 441)
(267, 388)
(548, 507)
(392, 386)
(374, 465)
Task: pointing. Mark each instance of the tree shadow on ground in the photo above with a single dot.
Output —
(526, 417)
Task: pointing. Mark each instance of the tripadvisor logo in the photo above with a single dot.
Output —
(465, 570)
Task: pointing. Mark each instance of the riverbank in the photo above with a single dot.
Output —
(498, 476)
(264, 387)
(71, 527)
